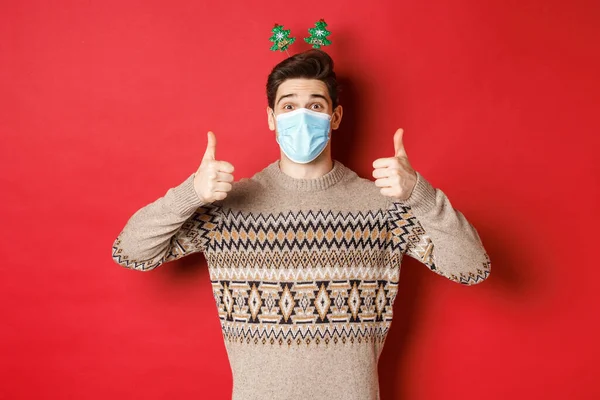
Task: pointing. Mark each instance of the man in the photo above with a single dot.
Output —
(304, 257)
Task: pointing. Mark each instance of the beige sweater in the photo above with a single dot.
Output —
(304, 272)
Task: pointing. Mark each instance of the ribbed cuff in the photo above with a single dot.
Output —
(184, 199)
(422, 198)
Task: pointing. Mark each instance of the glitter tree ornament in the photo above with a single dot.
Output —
(281, 38)
(318, 35)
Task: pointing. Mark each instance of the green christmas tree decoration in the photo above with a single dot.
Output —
(318, 35)
(281, 38)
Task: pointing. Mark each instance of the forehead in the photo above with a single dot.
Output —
(302, 87)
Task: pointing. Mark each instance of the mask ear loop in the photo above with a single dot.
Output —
(275, 122)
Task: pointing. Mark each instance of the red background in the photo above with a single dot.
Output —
(105, 105)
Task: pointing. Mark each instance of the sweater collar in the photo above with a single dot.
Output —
(274, 172)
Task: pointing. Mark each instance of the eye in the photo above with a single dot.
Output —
(316, 106)
(288, 107)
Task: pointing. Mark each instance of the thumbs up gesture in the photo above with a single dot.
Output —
(213, 179)
(394, 175)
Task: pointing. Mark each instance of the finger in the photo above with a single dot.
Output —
(385, 162)
(224, 177)
(381, 173)
(224, 166)
(383, 182)
(222, 187)
(211, 147)
(399, 150)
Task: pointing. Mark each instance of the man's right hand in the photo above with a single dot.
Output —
(213, 179)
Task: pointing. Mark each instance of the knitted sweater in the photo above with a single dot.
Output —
(304, 272)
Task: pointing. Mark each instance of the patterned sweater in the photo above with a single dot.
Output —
(304, 272)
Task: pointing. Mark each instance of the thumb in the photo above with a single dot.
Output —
(399, 144)
(211, 147)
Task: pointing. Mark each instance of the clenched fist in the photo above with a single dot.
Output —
(213, 179)
(394, 175)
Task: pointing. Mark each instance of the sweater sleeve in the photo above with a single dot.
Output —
(169, 228)
(426, 227)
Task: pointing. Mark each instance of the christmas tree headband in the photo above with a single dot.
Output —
(318, 37)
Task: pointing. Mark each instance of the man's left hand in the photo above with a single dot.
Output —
(394, 175)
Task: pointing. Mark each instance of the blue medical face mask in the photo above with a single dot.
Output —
(303, 134)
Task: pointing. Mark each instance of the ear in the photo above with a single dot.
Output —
(271, 118)
(336, 117)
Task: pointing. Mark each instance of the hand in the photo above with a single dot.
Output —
(394, 175)
(213, 179)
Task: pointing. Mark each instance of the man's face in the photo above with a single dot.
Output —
(293, 94)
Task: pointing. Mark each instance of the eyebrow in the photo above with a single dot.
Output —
(295, 95)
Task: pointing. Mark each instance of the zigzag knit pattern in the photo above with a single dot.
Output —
(304, 278)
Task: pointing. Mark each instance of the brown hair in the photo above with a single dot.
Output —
(310, 64)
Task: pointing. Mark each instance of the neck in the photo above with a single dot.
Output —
(314, 169)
